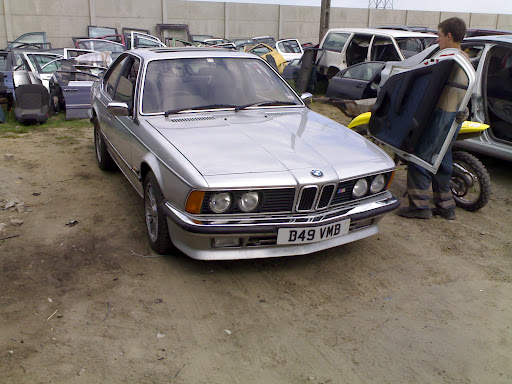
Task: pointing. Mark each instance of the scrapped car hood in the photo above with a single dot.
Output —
(258, 141)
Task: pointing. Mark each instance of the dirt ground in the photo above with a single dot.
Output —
(421, 302)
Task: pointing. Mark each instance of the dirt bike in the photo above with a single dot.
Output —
(470, 182)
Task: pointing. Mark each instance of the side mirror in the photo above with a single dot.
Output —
(118, 109)
(306, 98)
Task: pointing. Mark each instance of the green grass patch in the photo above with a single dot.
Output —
(11, 126)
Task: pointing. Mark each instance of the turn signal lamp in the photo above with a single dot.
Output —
(390, 180)
(194, 202)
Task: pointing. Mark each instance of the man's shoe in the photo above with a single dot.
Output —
(414, 213)
(448, 214)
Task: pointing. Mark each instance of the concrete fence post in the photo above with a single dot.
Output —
(92, 12)
(8, 23)
(226, 21)
(164, 11)
(279, 24)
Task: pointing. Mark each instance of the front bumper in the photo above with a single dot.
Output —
(194, 234)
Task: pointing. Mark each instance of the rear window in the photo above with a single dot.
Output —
(335, 41)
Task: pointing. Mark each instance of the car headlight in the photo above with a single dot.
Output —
(220, 202)
(360, 188)
(378, 184)
(249, 201)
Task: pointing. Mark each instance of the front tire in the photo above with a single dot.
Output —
(470, 182)
(156, 222)
(103, 158)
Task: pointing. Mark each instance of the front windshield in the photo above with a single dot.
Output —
(210, 83)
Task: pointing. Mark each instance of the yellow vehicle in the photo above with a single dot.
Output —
(467, 130)
(269, 54)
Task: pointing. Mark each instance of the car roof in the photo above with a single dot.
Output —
(495, 38)
(184, 52)
(384, 32)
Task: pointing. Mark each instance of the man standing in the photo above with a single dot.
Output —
(451, 33)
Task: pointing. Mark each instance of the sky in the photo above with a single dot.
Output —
(473, 6)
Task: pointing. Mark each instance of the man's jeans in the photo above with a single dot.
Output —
(419, 179)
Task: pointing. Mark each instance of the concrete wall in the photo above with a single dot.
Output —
(299, 22)
(423, 19)
(62, 19)
(505, 22)
(203, 18)
(143, 14)
(381, 17)
(249, 20)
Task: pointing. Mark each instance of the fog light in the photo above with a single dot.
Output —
(224, 242)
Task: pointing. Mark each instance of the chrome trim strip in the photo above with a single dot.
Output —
(379, 207)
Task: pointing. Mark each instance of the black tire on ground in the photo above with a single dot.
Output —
(156, 222)
(103, 158)
(477, 174)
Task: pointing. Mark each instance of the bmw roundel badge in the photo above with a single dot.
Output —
(317, 173)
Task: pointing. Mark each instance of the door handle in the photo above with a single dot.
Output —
(359, 85)
(70, 90)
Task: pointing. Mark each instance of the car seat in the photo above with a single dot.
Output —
(32, 103)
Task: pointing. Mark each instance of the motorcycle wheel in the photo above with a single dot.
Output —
(470, 182)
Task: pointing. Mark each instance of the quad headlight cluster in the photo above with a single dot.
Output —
(372, 185)
(221, 202)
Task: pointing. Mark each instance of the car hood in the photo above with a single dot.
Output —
(258, 141)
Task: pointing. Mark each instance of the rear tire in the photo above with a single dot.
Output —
(103, 158)
(470, 182)
(156, 221)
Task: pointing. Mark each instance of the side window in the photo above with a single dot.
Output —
(365, 71)
(335, 41)
(127, 80)
(112, 78)
(383, 49)
(410, 46)
(357, 50)
(289, 46)
(474, 52)
(499, 91)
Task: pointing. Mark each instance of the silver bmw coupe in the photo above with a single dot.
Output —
(230, 161)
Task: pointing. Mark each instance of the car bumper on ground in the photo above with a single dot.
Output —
(257, 237)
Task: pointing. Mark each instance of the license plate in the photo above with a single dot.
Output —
(312, 234)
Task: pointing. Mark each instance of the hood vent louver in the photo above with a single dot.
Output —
(281, 113)
(185, 119)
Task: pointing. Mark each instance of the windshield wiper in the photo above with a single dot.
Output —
(265, 104)
(199, 107)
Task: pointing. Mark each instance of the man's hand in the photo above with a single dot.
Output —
(462, 116)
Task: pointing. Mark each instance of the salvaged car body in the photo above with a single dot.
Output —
(290, 49)
(269, 54)
(70, 91)
(230, 161)
(345, 47)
